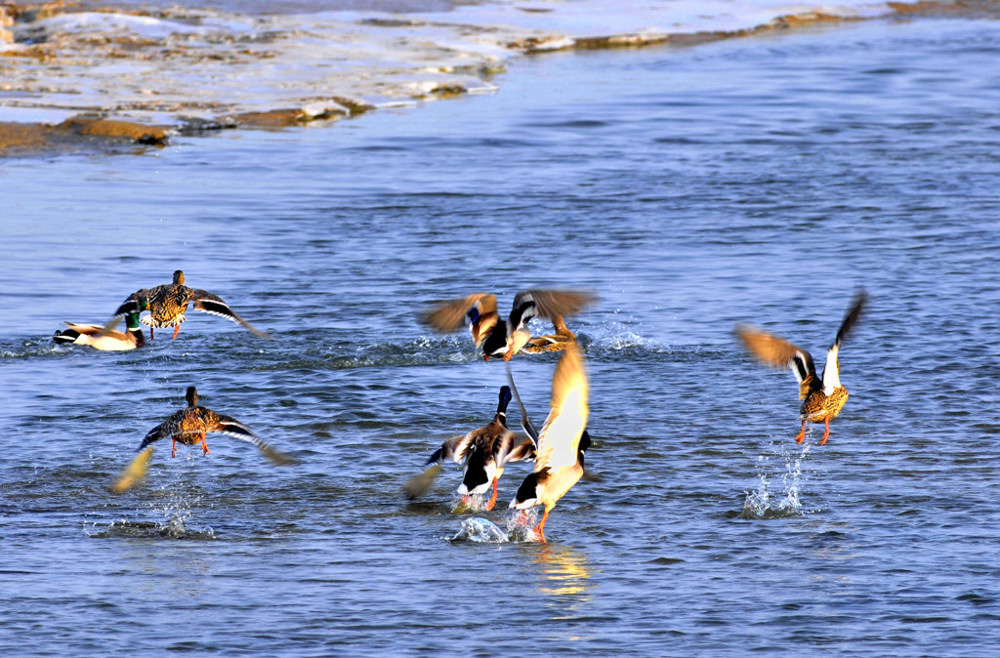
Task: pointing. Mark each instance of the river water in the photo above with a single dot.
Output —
(757, 180)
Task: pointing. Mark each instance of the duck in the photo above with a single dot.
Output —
(483, 453)
(190, 426)
(168, 303)
(104, 338)
(823, 396)
(497, 337)
(563, 441)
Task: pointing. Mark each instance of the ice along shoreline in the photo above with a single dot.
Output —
(85, 76)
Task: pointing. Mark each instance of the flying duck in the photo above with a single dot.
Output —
(497, 337)
(168, 303)
(822, 396)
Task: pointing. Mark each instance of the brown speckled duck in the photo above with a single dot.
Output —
(822, 397)
(168, 303)
(498, 337)
(563, 441)
(190, 426)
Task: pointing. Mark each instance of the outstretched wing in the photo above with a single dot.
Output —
(549, 304)
(234, 428)
(831, 371)
(451, 315)
(526, 424)
(776, 351)
(453, 449)
(162, 431)
(560, 436)
(513, 448)
(853, 313)
(209, 303)
(135, 303)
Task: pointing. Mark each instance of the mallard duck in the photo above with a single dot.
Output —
(822, 397)
(190, 426)
(483, 453)
(104, 338)
(498, 337)
(168, 303)
(563, 441)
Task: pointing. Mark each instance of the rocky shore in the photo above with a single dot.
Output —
(82, 75)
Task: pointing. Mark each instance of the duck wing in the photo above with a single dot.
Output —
(208, 303)
(514, 448)
(135, 303)
(453, 449)
(231, 427)
(776, 351)
(451, 315)
(526, 424)
(134, 472)
(549, 304)
(559, 439)
(831, 371)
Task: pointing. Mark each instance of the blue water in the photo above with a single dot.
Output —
(758, 180)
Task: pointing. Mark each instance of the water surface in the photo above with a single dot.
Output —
(753, 181)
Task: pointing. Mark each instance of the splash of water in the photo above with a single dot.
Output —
(517, 527)
(762, 503)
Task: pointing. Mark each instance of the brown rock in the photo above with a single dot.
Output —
(115, 129)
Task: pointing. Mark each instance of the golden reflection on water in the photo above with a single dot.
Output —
(565, 571)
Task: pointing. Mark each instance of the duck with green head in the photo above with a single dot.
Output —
(168, 303)
(104, 338)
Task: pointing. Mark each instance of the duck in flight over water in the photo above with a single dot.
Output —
(822, 396)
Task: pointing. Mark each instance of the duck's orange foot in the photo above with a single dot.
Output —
(540, 533)
(508, 354)
(486, 357)
(826, 434)
(800, 437)
(173, 447)
(204, 447)
(493, 498)
(177, 330)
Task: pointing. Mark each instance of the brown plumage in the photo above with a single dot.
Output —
(168, 303)
(822, 397)
(190, 426)
(499, 337)
(483, 453)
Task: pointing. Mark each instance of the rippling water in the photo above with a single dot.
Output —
(758, 180)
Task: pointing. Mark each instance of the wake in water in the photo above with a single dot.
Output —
(175, 524)
(762, 502)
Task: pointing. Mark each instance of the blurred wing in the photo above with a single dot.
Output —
(853, 313)
(161, 431)
(134, 304)
(453, 448)
(234, 428)
(525, 421)
(450, 315)
(775, 351)
(560, 437)
(209, 303)
(134, 472)
(418, 485)
(551, 304)
(514, 448)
